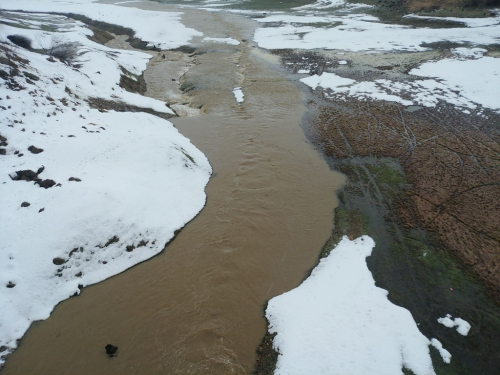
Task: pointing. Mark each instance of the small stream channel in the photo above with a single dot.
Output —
(197, 308)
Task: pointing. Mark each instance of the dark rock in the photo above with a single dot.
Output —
(3, 141)
(20, 155)
(46, 183)
(35, 150)
(74, 179)
(40, 170)
(112, 240)
(79, 274)
(3, 151)
(58, 261)
(26, 175)
(10, 284)
(25, 204)
(41, 210)
(31, 76)
(3, 348)
(50, 99)
(111, 350)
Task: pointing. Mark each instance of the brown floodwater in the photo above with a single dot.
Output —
(197, 308)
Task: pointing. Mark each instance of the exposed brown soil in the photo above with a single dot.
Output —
(267, 356)
(419, 5)
(453, 165)
(107, 105)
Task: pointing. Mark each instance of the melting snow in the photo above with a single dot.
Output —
(230, 41)
(364, 33)
(463, 327)
(445, 354)
(162, 29)
(481, 84)
(238, 94)
(338, 322)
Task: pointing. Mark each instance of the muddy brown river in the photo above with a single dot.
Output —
(197, 308)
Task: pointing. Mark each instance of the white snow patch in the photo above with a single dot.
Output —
(364, 33)
(338, 322)
(445, 354)
(463, 327)
(471, 22)
(322, 4)
(238, 94)
(303, 71)
(481, 83)
(230, 41)
(343, 87)
(162, 29)
(327, 80)
(469, 52)
(342, 62)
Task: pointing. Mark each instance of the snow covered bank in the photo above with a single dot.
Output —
(481, 84)
(162, 29)
(84, 194)
(363, 33)
(338, 322)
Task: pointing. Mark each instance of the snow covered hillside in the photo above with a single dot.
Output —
(84, 193)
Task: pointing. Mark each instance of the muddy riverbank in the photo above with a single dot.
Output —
(196, 308)
(419, 181)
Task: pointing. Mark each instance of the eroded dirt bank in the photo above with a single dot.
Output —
(197, 307)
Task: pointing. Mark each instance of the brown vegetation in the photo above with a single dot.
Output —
(452, 162)
(419, 5)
